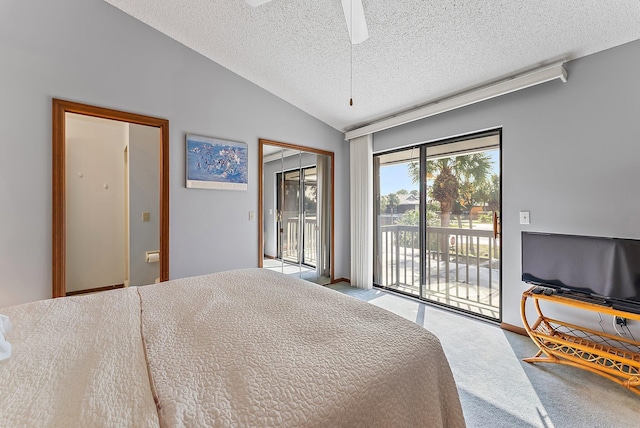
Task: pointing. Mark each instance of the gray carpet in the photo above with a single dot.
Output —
(498, 389)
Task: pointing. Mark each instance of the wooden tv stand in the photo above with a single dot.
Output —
(614, 357)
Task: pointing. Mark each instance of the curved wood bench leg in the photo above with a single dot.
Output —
(559, 342)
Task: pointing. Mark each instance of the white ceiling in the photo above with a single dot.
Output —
(418, 51)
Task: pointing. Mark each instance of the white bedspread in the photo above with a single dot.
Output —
(77, 362)
(247, 348)
(255, 348)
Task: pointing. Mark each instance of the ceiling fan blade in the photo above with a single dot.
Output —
(359, 32)
(256, 3)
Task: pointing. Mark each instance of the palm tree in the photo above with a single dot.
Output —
(494, 193)
(473, 171)
(455, 179)
(392, 201)
(444, 189)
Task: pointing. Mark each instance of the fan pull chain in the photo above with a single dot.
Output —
(351, 78)
(351, 42)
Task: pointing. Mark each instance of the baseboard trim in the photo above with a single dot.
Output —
(95, 290)
(335, 281)
(513, 328)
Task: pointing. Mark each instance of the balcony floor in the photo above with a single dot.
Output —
(470, 288)
(299, 271)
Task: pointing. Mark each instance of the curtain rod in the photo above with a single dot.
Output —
(474, 96)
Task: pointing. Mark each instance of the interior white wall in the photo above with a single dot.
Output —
(91, 52)
(570, 155)
(94, 204)
(144, 196)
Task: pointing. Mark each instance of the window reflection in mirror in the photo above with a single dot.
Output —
(297, 211)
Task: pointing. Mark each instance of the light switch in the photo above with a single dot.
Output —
(252, 215)
(146, 216)
(524, 217)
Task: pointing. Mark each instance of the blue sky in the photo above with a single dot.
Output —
(396, 177)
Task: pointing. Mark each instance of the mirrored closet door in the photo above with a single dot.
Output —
(296, 211)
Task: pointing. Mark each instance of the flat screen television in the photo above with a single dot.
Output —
(607, 269)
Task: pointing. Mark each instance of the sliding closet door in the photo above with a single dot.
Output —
(296, 209)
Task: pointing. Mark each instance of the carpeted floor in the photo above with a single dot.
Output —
(498, 389)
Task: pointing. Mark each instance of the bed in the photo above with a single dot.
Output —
(248, 347)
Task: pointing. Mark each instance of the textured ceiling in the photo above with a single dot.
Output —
(418, 50)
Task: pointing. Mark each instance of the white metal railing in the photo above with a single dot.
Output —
(461, 266)
(291, 241)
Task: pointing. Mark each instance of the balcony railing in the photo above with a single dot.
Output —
(461, 266)
(292, 241)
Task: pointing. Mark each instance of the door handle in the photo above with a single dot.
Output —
(496, 226)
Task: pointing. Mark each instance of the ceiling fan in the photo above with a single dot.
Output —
(356, 24)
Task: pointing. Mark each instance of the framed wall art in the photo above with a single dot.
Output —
(213, 163)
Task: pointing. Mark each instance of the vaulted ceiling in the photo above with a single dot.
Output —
(418, 51)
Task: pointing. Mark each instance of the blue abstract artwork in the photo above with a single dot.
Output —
(216, 164)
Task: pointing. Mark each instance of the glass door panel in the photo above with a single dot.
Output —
(397, 229)
(463, 197)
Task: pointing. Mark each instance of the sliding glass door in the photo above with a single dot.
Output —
(437, 221)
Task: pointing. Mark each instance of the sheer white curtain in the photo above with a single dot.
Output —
(361, 163)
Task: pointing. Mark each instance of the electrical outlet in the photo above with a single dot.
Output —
(524, 217)
(146, 216)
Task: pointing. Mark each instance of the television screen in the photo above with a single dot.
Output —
(597, 266)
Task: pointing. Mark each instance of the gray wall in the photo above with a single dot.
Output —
(144, 196)
(88, 51)
(571, 155)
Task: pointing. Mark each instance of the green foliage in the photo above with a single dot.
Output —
(433, 219)
(485, 218)
(414, 172)
(384, 202)
(409, 238)
(445, 189)
(459, 182)
(392, 201)
(493, 200)
(410, 218)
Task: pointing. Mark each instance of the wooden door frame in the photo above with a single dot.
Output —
(59, 110)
